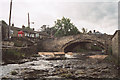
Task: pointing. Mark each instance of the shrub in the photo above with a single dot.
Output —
(12, 53)
(110, 50)
(14, 73)
(81, 50)
(112, 59)
(18, 44)
(96, 48)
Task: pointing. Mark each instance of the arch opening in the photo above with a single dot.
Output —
(83, 47)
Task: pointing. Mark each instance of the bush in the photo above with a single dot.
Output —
(14, 73)
(81, 50)
(96, 48)
(110, 50)
(12, 53)
(112, 59)
(18, 44)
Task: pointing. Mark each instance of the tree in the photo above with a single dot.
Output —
(64, 27)
(90, 32)
(84, 31)
(49, 30)
(43, 28)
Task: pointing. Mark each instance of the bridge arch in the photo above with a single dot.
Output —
(82, 42)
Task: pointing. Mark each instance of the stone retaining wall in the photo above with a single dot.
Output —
(116, 45)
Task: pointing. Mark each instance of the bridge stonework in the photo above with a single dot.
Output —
(60, 43)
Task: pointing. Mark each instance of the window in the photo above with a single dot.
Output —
(37, 34)
(26, 34)
(32, 35)
(11, 31)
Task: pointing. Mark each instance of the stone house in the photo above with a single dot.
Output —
(4, 30)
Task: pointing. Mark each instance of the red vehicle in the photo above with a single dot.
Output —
(20, 34)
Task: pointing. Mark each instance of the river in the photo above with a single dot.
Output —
(82, 65)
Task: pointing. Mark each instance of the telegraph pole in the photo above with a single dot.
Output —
(9, 20)
(28, 20)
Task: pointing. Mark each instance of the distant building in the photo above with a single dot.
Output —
(15, 31)
(97, 32)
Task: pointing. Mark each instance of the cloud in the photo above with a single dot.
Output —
(97, 14)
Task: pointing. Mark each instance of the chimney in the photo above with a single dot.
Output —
(33, 29)
(28, 20)
(94, 31)
(12, 24)
(23, 27)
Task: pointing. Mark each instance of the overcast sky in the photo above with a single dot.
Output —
(101, 15)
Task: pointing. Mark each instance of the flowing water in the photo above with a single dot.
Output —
(36, 65)
(39, 65)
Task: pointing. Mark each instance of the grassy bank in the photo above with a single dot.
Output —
(113, 60)
(12, 55)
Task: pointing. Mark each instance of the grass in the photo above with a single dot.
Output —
(93, 48)
(18, 44)
(96, 48)
(112, 59)
(81, 50)
(110, 50)
(12, 53)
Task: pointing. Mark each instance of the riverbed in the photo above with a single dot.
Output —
(78, 65)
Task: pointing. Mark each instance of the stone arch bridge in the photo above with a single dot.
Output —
(67, 43)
